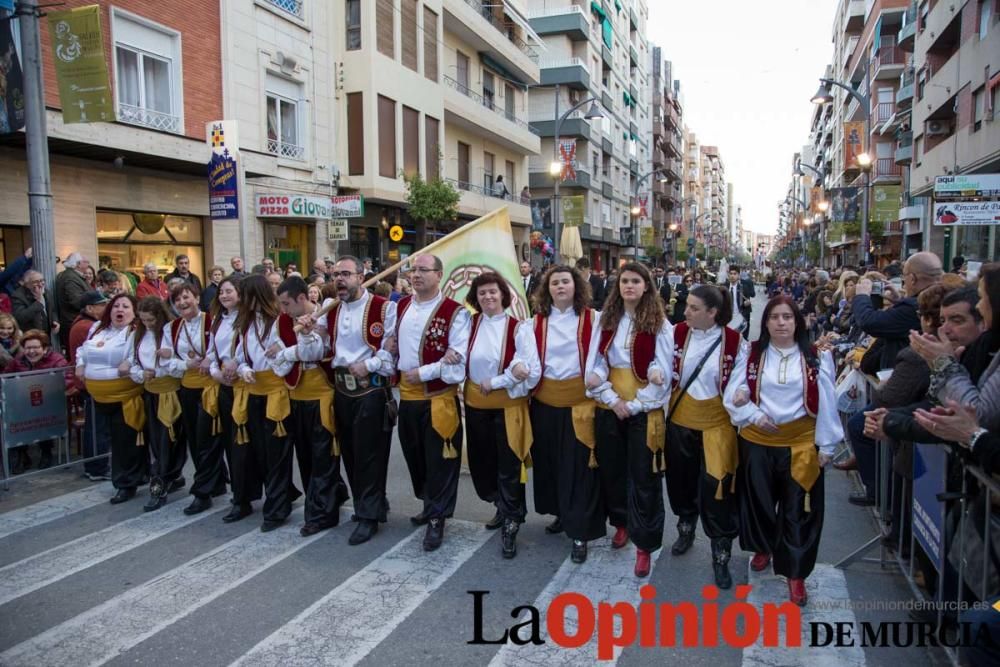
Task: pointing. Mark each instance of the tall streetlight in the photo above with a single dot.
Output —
(636, 209)
(823, 96)
(823, 206)
(593, 113)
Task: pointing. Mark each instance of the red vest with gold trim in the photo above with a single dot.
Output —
(509, 344)
(642, 349)
(810, 378)
(373, 323)
(584, 334)
(175, 331)
(286, 332)
(434, 340)
(727, 355)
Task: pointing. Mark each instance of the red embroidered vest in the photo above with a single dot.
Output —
(509, 344)
(642, 350)
(286, 332)
(175, 332)
(810, 379)
(434, 340)
(727, 355)
(584, 332)
(373, 324)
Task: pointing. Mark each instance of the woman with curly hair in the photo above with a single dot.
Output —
(567, 483)
(627, 373)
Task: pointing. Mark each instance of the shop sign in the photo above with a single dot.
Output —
(396, 233)
(967, 213)
(967, 186)
(336, 230)
(81, 70)
(223, 172)
(293, 206)
(348, 206)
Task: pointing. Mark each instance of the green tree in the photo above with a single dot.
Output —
(434, 200)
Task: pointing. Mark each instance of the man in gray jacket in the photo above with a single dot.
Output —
(70, 287)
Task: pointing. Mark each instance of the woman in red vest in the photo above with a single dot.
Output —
(566, 480)
(783, 400)
(626, 373)
(701, 441)
(501, 369)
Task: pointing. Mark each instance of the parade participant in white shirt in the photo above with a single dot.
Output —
(190, 337)
(783, 400)
(261, 405)
(702, 452)
(360, 329)
(433, 333)
(104, 362)
(567, 483)
(626, 373)
(502, 368)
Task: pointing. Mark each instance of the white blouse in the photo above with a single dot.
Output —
(484, 357)
(781, 395)
(254, 346)
(103, 352)
(649, 397)
(352, 345)
(562, 356)
(706, 385)
(190, 339)
(220, 346)
(411, 331)
(145, 357)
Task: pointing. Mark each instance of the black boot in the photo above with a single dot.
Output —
(685, 538)
(555, 527)
(434, 535)
(508, 538)
(579, 552)
(721, 552)
(495, 522)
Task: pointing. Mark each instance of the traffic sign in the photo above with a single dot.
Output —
(396, 233)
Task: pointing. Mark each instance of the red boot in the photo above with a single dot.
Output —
(641, 563)
(797, 591)
(620, 539)
(759, 562)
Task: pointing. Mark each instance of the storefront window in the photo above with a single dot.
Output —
(127, 241)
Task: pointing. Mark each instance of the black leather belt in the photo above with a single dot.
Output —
(349, 385)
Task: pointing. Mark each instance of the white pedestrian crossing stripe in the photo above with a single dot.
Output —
(54, 508)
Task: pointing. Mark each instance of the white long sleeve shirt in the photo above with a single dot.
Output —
(190, 344)
(706, 385)
(411, 331)
(102, 352)
(484, 357)
(351, 343)
(781, 392)
(562, 356)
(649, 397)
(145, 358)
(254, 346)
(221, 344)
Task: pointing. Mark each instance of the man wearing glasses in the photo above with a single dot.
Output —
(430, 330)
(33, 307)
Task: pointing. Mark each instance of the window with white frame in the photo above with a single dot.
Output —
(147, 73)
(283, 123)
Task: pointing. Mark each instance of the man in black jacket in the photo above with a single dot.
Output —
(597, 292)
(741, 291)
(182, 270)
(33, 305)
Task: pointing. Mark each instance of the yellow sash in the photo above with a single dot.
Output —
(126, 392)
(210, 404)
(444, 412)
(516, 420)
(800, 436)
(571, 393)
(314, 387)
(627, 386)
(193, 379)
(168, 406)
(278, 408)
(717, 433)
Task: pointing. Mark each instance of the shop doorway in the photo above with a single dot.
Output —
(291, 244)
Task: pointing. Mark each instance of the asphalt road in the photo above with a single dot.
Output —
(84, 582)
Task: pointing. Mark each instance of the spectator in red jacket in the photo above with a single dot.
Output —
(152, 285)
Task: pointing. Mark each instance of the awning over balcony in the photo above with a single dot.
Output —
(595, 7)
(522, 21)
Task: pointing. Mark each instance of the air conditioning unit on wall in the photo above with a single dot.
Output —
(937, 127)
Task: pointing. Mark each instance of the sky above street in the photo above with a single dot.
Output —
(747, 70)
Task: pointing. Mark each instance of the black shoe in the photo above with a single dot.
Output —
(270, 525)
(364, 531)
(238, 512)
(861, 499)
(555, 527)
(579, 552)
(197, 506)
(495, 522)
(721, 552)
(98, 476)
(121, 495)
(508, 538)
(311, 528)
(176, 485)
(434, 534)
(685, 538)
(420, 519)
(154, 503)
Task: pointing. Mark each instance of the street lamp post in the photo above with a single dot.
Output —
(823, 206)
(636, 209)
(594, 113)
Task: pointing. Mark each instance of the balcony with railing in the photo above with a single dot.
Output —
(883, 111)
(571, 21)
(486, 103)
(566, 71)
(156, 120)
(886, 168)
(285, 149)
(485, 10)
(889, 61)
(471, 110)
(904, 95)
(484, 190)
(483, 26)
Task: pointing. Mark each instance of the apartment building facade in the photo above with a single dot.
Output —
(712, 229)
(596, 53)
(667, 155)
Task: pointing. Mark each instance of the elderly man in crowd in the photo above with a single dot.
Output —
(70, 287)
(152, 284)
(236, 263)
(33, 305)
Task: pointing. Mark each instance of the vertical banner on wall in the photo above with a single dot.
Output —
(567, 158)
(11, 81)
(81, 70)
(572, 210)
(854, 143)
(844, 204)
(223, 169)
(541, 214)
(885, 203)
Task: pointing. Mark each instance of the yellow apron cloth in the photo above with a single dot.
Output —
(627, 386)
(126, 392)
(278, 408)
(800, 436)
(717, 434)
(444, 412)
(168, 406)
(314, 387)
(572, 393)
(516, 420)
(193, 379)
(210, 404)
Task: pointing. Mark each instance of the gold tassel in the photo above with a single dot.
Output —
(140, 439)
(663, 460)
(279, 430)
(592, 463)
(524, 473)
(216, 425)
(448, 451)
(170, 433)
(718, 491)
(732, 484)
(241, 435)
(335, 446)
(808, 505)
